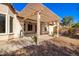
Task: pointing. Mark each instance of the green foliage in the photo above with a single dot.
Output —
(35, 39)
(75, 25)
(67, 21)
(71, 30)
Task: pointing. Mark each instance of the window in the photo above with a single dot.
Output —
(45, 28)
(30, 27)
(11, 24)
(2, 23)
(35, 28)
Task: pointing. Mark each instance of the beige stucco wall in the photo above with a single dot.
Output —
(16, 27)
(16, 24)
(51, 29)
(3, 36)
(3, 8)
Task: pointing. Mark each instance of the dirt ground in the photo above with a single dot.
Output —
(62, 46)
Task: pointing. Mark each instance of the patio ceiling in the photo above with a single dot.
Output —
(30, 12)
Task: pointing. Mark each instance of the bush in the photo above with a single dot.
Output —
(35, 39)
(71, 31)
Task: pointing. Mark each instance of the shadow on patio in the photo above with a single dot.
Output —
(73, 36)
(46, 49)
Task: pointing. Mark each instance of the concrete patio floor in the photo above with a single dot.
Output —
(15, 44)
(23, 45)
(61, 46)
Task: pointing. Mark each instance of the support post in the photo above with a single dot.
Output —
(57, 29)
(38, 26)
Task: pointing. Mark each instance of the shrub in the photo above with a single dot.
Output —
(71, 31)
(35, 39)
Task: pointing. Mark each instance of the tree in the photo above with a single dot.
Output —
(76, 25)
(67, 21)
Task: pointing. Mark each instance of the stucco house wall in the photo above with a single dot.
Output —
(4, 10)
(16, 27)
(16, 24)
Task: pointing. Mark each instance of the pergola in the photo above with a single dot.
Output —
(39, 12)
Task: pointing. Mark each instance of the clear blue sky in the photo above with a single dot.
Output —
(61, 9)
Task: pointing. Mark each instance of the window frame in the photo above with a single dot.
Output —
(5, 23)
(9, 25)
(29, 27)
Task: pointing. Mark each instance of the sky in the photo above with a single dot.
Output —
(61, 9)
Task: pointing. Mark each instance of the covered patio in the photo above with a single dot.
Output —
(41, 17)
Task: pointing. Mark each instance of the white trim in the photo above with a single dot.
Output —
(1, 34)
(9, 23)
(5, 22)
(11, 33)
